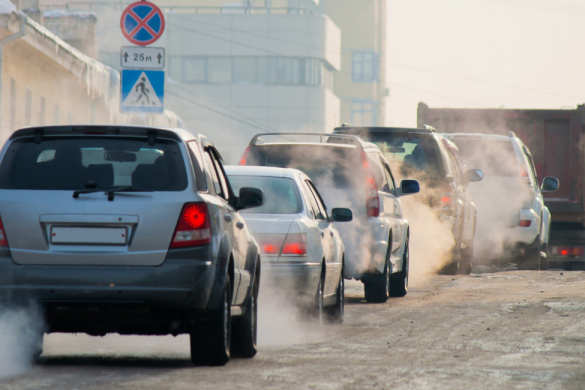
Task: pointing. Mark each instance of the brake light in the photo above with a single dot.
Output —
(193, 227)
(567, 250)
(293, 244)
(525, 223)
(244, 156)
(372, 199)
(3, 241)
(523, 171)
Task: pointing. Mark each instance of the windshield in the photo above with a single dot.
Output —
(93, 163)
(281, 195)
(330, 166)
(493, 157)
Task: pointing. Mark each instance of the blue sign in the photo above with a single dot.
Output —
(142, 91)
(142, 23)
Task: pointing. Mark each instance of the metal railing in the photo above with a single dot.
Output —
(96, 5)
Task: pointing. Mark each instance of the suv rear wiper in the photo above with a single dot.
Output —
(111, 192)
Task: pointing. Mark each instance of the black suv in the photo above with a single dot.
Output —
(423, 154)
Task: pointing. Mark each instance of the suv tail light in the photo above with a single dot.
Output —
(372, 199)
(3, 241)
(244, 156)
(525, 223)
(447, 199)
(193, 228)
(293, 244)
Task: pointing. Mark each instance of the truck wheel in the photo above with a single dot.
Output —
(399, 281)
(336, 312)
(211, 340)
(245, 328)
(378, 291)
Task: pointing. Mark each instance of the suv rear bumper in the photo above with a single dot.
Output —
(179, 283)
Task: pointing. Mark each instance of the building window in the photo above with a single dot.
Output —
(363, 113)
(364, 66)
(195, 70)
(28, 107)
(219, 70)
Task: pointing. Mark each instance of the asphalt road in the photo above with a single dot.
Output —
(516, 330)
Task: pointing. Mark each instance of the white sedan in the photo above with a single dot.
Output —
(299, 246)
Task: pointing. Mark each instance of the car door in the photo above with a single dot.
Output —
(226, 214)
(459, 196)
(468, 212)
(314, 238)
(327, 235)
(538, 199)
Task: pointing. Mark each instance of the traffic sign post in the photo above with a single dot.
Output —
(142, 91)
(142, 23)
(142, 57)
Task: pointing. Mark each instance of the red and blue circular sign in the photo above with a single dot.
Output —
(142, 23)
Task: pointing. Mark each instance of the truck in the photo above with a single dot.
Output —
(556, 138)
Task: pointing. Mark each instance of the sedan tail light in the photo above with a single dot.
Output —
(193, 227)
(3, 241)
(525, 223)
(293, 244)
(372, 199)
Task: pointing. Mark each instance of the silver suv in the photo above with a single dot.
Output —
(351, 173)
(130, 230)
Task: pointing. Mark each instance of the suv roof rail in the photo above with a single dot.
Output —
(346, 124)
(355, 139)
(429, 128)
(511, 134)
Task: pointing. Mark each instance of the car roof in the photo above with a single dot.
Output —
(494, 137)
(176, 133)
(248, 170)
(353, 140)
(381, 129)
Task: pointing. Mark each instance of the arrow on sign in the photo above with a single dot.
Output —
(125, 57)
(159, 56)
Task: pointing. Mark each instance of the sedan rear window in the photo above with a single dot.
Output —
(281, 195)
(93, 163)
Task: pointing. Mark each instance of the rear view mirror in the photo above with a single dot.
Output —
(251, 197)
(120, 156)
(341, 215)
(474, 175)
(408, 187)
(549, 184)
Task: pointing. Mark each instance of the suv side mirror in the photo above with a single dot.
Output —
(341, 215)
(474, 175)
(250, 197)
(408, 187)
(549, 184)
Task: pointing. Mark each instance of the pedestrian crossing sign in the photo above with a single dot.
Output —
(142, 91)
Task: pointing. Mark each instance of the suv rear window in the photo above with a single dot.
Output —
(74, 163)
(493, 157)
(281, 195)
(337, 166)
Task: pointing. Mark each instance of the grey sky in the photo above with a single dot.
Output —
(484, 53)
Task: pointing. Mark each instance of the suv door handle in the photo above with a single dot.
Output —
(240, 225)
(227, 218)
(322, 233)
(331, 234)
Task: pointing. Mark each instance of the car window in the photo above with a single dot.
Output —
(319, 200)
(197, 161)
(311, 199)
(458, 162)
(225, 193)
(210, 167)
(98, 163)
(281, 195)
(493, 157)
(531, 164)
(457, 172)
(390, 187)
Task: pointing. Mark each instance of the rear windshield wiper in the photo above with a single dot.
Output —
(111, 192)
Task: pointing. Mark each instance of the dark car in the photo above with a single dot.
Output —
(423, 154)
(130, 230)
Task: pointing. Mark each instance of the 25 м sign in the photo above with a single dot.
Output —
(142, 57)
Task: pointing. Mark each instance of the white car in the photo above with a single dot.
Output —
(300, 247)
(512, 220)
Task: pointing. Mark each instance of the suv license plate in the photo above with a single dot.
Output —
(89, 236)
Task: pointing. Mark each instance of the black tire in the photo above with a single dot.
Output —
(336, 313)
(211, 340)
(399, 280)
(38, 345)
(378, 291)
(531, 260)
(245, 328)
(451, 268)
(466, 260)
